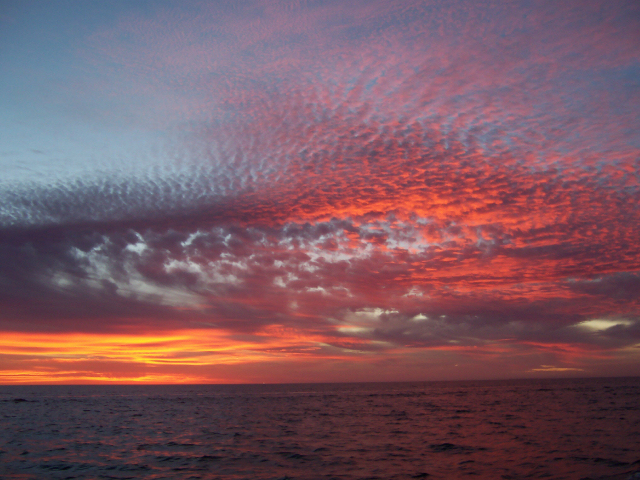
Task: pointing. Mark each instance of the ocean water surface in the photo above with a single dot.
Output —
(554, 429)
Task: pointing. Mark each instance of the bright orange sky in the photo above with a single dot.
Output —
(355, 191)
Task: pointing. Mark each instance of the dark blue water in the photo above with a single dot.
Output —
(555, 429)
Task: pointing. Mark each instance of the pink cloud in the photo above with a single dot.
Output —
(354, 183)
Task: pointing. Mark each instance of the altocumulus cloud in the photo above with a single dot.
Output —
(371, 181)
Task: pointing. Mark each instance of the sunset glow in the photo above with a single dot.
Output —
(314, 192)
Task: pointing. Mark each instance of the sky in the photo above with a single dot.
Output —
(319, 191)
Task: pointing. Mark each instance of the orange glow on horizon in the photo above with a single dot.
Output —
(206, 355)
(51, 357)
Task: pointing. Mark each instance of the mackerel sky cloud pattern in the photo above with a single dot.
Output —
(319, 191)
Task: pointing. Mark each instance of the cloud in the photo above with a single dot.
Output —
(551, 368)
(367, 179)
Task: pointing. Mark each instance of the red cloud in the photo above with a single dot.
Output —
(349, 191)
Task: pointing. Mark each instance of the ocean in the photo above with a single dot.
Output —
(516, 429)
